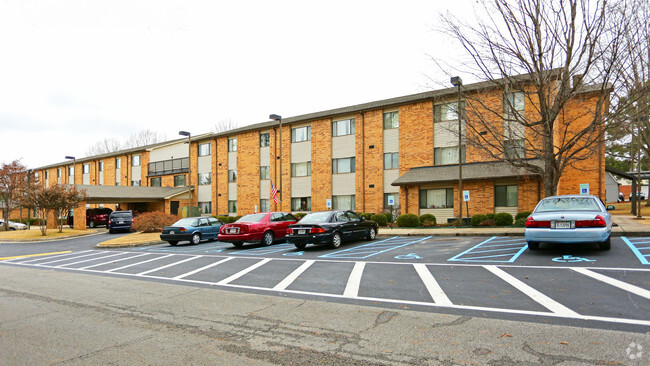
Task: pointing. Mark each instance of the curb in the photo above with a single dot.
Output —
(18, 241)
(130, 245)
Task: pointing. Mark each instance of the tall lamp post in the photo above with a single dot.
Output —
(74, 162)
(278, 118)
(189, 165)
(29, 210)
(458, 82)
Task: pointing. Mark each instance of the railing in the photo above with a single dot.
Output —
(172, 166)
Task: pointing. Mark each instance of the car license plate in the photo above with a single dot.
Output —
(120, 222)
(302, 231)
(171, 232)
(233, 230)
(563, 224)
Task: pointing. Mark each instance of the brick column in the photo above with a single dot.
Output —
(80, 217)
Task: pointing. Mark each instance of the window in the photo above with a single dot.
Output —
(342, 128)
(156, 182)
(395, 199)
(437, 198)
(232, 206)
(301, 204)
(86, 168)
(205, 178)
(179, 180)
(232, 176)
(204, 149)
(101, 166)
(300, 134)
(265, 172)
(391, 120)
(391, 160)
(265, 205)
(206, 207)
(71, 171)
(232, 145)
(506, 196)
(448, 112)
(265, 139)
(344, 165)
(117, 182)
(514, 149)
(58, 172)
(47, 175)
(118, 163)
(447, 155)
(343, 202)
(135, 160)
(135, 183)
(301, 169)
(514, 105)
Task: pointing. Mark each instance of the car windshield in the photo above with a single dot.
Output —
(187, 222)
(567, 204)
(252, 218)
(315, 218)
(121, 215)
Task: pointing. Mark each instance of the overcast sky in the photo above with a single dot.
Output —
(75, 72)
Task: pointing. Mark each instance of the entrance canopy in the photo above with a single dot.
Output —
(125, 194)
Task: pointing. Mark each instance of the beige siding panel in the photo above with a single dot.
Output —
(178, 150)
(265, 189)
(205, 164)
(265, 156)
(135, 173)
(301, 152)
(232, 160)
(232, 191)
(100, 182)
(441, 214)
(343, 184)
(343, 146)
(301, 187)
(204, 193)
(118, 174)
(391, 140)
(389, 177)
(85, 179)
(511, 210)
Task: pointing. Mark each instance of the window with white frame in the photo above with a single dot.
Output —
(343, 202)
(265, 205)
(437, 198)
(205, 149)
(300, 203)
(205, 178)
(301, 169)
(136, 183)
(391, 120)
(300, 134)
(447, 155)
(232, 206)
(58, 172)
(514, 104)
(118, 163)
(343, 127)
(506, 196)
(265, 139)
(232, 176)
(71, 171)
(85, 168)
(135, 160)
(232, 145)
(391, 160)
(265, 172)
(343, 165)
(448, 111)
(205, 207)
(100, 166)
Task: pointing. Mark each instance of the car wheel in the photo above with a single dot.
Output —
(238, 244)
(111, 231)
(173, 242)
(606, 245)
(91, 224)
(12, 228)
(196, 238)
(267, 239)
(336, 240)
(300, 246)
(533, 245)
(372, 233)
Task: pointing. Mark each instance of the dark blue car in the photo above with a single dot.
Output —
(192, 229)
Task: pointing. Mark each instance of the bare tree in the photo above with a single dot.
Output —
(224, 125)
(142, 138)
(551, 63)
(105, 146)
(13, 184)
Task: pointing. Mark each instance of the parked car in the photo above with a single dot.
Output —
(570, 219)
(94, 217)
(642, 196)
(192, 229)
(264, 227)
(12, 225)
(120, 221)
(330, 227)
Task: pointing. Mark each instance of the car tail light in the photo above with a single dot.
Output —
(598, 221)
(222, 230)
(532, 223)
(316, 230)
(289, 231)
(243, 229)
(182, 230)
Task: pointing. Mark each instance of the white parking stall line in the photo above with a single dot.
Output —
(539, 297)
(354, 281)
(18, 260)
(226, 281)
(65, 259)
(114, 261)
(614, 282)
(135, 264)
(89, 260)
(169, 265)
(437, 294)
(202, 268)
(287, 281)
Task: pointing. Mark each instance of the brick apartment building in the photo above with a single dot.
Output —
(355, 157)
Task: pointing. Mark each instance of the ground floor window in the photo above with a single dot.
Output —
(506, 196)
(156, 182)
(301, 204)
(232, 206)
(179, 181)
(206, 207)
(395, 196)
(265, 205)
(437, 198)
(135, 183)
(344, 202)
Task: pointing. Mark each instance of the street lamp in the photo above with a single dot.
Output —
(458, 82)
(74, 162)
(189, 165)
(277, 117)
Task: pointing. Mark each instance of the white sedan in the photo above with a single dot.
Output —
(13, 225)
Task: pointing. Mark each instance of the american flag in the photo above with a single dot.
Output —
(274, 193)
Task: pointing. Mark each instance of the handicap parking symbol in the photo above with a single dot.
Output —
(294, 253)
(571, 259)
(408, 256)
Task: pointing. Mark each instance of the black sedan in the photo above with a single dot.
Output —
(330, 227)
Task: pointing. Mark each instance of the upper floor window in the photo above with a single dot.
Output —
(155, 182)
(232, 176)
(301, 169)
(342, 128)
(265, 139)
(514, 105)
(391, 160)
(47, 174)
(447, 155)
(179, 180)
(343, 165)
(232, 145)
(437, 198)
(58, 172)
(135, 160)
(100, 166)
(514, 149)
(300, 134)
(447, 111)
(204, 149)
(118, 163)
(265, 172)
(391, 120)
(205, 178)
(86, 168)
(71, 171)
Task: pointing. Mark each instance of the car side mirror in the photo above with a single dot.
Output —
(611, 207)
(361, 217)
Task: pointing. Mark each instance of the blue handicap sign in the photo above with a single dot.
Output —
(294, 253)
(408, 256)
(214, 251)
(571, 259)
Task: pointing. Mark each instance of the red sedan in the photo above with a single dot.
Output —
(264, 228)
